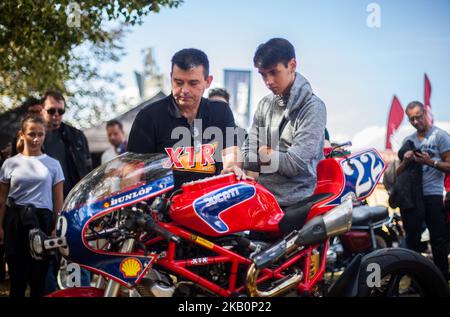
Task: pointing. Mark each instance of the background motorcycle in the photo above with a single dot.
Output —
(372, 228)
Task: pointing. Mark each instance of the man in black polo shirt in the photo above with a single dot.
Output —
(197, 134)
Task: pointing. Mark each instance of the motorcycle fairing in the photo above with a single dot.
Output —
(362, 171)
(109, 263)
(211, 206)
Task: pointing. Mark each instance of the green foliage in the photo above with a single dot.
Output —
(40, 51)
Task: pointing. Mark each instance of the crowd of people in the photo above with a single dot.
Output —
(48, 157)
(281, 151)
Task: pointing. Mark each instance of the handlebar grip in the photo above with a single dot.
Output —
(149, 225)
(105, 234)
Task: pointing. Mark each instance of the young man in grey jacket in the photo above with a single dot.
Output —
(286, 139)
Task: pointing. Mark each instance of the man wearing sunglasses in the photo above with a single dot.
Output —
(70, 147)
(63, 142)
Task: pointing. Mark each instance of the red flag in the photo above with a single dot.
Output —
(447, 182)
(395, 119)
(427, 104)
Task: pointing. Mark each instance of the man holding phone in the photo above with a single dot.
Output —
(433, 152)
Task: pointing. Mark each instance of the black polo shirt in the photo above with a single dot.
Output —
(195, 150)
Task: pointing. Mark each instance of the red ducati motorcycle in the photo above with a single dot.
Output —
(221, 236)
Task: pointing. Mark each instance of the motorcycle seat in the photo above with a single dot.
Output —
(295, 216)
(366, 215)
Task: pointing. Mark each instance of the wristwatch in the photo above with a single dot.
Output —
(435, 163)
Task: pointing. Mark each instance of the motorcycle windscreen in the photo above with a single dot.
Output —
(125, 172)
(97, 203)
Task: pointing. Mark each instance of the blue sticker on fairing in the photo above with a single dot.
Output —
(362, 172)
(110, 264)
(210, 206)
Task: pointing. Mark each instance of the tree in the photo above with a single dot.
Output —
(46, 44)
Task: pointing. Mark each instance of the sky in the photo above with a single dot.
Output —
(354, 68)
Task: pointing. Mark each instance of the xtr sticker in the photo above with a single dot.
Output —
(187, 159)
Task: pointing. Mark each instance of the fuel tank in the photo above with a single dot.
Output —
(222, 205)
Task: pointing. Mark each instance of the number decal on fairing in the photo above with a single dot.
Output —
(375, 171)
(368, 170)
(362, 171)
(359, 187)
(61, 230)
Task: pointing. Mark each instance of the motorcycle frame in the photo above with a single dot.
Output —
(181, 266)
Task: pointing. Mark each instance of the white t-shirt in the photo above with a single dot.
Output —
(31, 179)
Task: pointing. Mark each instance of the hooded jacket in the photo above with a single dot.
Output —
(291, 175)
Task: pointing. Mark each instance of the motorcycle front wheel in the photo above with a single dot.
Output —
(398, 272)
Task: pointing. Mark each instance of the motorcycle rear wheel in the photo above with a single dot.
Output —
(403, 273)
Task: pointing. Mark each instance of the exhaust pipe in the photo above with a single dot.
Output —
(333, 223)
(284, 286)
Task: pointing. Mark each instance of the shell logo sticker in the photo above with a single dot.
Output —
(130, 267)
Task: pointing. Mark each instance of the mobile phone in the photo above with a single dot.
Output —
(417, 151)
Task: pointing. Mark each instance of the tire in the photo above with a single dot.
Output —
(397, 266)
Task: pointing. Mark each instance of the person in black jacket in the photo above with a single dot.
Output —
(407, 194)
(430, 150)
(184, 122)
(65, 143)
(70, 147)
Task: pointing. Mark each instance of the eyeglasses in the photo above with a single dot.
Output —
(416, 118)
(52, 111)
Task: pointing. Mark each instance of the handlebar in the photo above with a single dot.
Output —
(102, 234)
(335, 152)
(136, 221)
(148, 224)
(348, 143)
